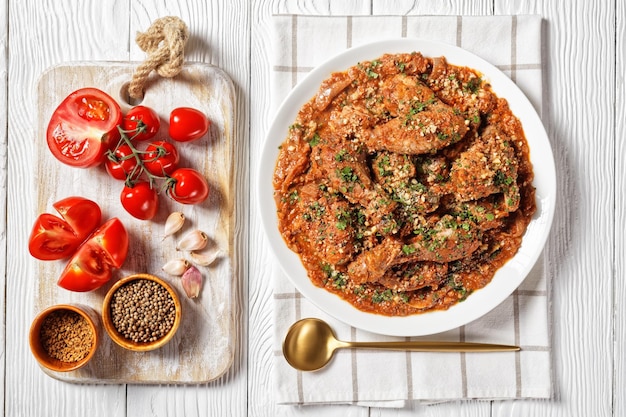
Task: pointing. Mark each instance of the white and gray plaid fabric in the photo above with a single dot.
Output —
(513, 44)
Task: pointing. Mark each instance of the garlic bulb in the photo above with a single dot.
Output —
(173, 223)
(195, 240)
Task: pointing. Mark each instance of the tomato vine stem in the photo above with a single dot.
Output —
(133, 177)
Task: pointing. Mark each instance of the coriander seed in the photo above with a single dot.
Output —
(142, 311)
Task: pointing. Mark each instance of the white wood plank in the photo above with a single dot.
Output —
(619, 373)
(580, 251)
(321, 7)
(410, 7)
(4, 38)
(42, 34)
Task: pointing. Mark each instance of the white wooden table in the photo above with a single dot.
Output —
(586, 50)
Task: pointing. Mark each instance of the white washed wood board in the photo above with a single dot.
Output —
(203, 348)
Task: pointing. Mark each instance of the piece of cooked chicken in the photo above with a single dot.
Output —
(423, 123)
(344, 165)
(447, 240)
(322, 223)
(414, 277)
(487, 167)
(371, 264)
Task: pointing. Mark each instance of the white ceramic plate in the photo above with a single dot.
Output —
(505, 281)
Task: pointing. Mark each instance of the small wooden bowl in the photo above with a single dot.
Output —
(42, 355)
(118, 337)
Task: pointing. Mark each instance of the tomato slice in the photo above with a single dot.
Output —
(84, 127)
(57, 238)
(86, 271)
(92, 265)
(112, 239)
(52, 238)
(81, 214)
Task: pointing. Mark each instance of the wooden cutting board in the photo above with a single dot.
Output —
(204, 346)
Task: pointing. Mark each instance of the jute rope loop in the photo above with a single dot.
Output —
(164, 42)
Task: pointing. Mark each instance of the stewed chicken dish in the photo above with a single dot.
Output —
(404, 184)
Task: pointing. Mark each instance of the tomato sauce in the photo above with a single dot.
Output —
(404, 184)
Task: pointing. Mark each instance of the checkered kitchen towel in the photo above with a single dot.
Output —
(391, 379)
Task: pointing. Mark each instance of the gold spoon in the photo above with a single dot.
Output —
(310, 345)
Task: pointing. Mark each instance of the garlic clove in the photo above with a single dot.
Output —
(176, 267)
(192, 282)
(173, 223)
(195, 240)
(206, 257)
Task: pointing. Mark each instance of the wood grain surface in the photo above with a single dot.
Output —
(203, 347)
(583, 114)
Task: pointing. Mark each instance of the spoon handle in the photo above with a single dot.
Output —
(425, 346)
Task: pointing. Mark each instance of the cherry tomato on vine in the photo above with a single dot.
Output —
(141, 200)
(92, 265)
(121, 163)
(57, 238)
(161, 158)
(187, 124)
(188, 186)
(84, 127)
(141, 123)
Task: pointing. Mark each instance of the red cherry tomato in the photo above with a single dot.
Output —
(57, 238)
(188, 186)
(92, 265)
(141, 200)
(187, 124)
(121, 163)
(141, 123)
(161, 158)
(84, 127)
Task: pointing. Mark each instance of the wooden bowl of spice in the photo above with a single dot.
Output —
(141, 312)
(65, 337)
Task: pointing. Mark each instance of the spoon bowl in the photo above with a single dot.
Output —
(311, 343)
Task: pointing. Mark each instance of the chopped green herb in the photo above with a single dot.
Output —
(315, 139)
(408, 249)
(347, 175)
(473, 85)
(379, 297)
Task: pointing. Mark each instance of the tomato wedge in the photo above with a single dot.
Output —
(92, 265)
(81, 214)
(84, 127)
(57, 238)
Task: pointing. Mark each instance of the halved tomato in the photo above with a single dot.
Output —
(57, 238)
(84, 127)
(92, 265)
